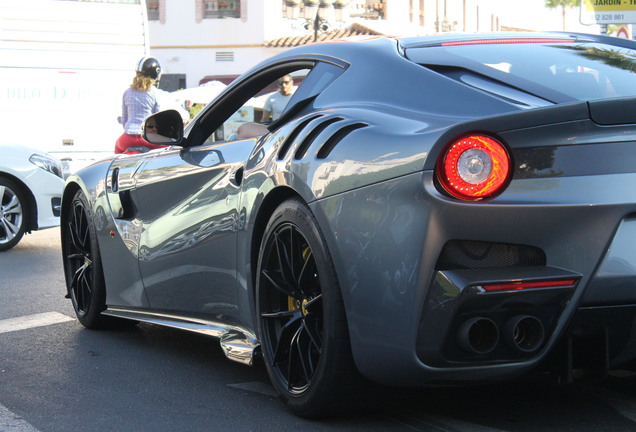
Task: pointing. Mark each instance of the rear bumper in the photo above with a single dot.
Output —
(407, 311)
(614, 283)
(464, 325)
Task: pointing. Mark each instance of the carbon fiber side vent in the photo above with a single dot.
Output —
(333, 141)
(309, 139)
(282, 152)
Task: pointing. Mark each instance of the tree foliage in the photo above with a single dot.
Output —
(563, 4)
(553, 4)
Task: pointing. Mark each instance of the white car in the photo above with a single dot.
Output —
(31, 185)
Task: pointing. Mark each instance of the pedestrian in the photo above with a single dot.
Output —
(277, 101)
(139, 101)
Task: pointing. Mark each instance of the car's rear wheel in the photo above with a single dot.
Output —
(301, 316)
(13, 214)
(82, 263)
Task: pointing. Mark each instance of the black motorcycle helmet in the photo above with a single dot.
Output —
(150, 67)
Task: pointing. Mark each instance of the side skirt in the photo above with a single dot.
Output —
(237, 343)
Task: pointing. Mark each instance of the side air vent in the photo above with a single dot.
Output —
(332, 142)
(282, 152)
(309, 139)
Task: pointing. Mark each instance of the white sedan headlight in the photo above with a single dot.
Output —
(48, 164)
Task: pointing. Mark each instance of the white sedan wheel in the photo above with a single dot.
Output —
(12, 214)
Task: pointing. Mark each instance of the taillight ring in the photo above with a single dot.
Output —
(474, 167)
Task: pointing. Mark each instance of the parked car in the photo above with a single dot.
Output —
(31, 185)
(427, 211)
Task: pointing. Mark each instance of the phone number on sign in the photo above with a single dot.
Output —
(609, 17)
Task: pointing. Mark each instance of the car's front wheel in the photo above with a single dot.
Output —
(82, 263)
(13, 214)
(301, 315)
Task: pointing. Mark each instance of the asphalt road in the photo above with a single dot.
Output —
(56, 376)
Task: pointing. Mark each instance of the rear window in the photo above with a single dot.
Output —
(581, 71)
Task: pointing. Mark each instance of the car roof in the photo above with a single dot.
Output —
(346, 47)
(439, 39)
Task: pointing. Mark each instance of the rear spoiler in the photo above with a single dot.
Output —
(613, 111)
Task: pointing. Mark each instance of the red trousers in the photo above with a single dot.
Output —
(126, 140)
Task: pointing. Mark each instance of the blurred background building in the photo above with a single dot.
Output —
(204, 40)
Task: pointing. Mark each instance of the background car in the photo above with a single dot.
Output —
(445, 210)
(31, 185)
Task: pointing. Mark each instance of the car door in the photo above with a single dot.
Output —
(187, 206)
(187, 202)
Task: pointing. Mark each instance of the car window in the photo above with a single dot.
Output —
(248, 117)
(583, 71)
(248, 113)
(307, 83)
(242, 104)
(315, 81)
(252, 112)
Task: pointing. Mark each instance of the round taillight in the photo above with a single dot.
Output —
(474, 167)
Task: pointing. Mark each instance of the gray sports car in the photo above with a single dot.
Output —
(426, 211)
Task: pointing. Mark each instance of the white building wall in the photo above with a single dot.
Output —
(211, 46)
(445, 15)
(232, 46)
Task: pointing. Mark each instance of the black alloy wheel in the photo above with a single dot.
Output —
(302, 325)
(82, 264)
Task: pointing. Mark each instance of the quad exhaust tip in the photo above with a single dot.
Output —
(478, 335)
(481, 335)
(524, 333)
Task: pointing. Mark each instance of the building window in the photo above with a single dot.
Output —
(153, 10)
(221, 9)
(368, 9)
(329, 10)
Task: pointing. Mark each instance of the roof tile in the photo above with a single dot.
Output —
(355, 29)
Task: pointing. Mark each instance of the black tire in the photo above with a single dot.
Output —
(14, 214)
(301, 316)
(82, 264)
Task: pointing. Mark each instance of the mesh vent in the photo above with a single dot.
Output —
(467, 254)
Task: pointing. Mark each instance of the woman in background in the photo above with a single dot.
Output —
(139, 101)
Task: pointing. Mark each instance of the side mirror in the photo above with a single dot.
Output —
(164, 127)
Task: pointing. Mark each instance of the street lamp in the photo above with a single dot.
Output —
(317, 15)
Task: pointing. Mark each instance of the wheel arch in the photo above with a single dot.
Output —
(265, 210)
(333, 377)
(69, 192)
(32, 215)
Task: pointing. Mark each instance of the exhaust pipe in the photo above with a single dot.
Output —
(478, 335)
(524, 333)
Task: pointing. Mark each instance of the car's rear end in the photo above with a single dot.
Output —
(527, 221)
(515, 267)
(556, 271)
